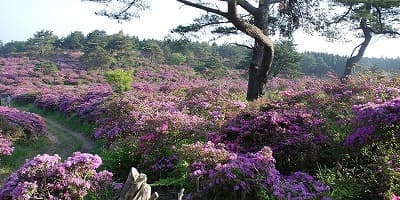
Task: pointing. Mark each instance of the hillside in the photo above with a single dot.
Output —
(188, 125)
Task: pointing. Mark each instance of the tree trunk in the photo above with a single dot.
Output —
(362, 47)
(253, 89)
(263, 53)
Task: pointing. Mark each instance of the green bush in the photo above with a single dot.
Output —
(120, 160)
(46, 67)
(177, 59)
(120, 80)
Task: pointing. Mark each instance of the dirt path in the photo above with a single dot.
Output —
(64, 141)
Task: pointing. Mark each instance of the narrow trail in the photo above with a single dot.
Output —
(64, 141)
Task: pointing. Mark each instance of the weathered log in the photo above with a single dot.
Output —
(154, 196)
(180, 194)
(125, 193)
(136, 188)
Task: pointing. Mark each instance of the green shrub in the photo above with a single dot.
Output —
(46, 67)
(177, 59)
(120, 80)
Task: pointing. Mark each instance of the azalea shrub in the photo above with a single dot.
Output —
(221, 173)
(165, 110)
(374, 143)
(360, 125)
(21, 125)
(5, 145)
(82, 101)
(376, 122)
(295, 134)
(47, 177)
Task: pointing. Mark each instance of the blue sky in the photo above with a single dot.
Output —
(20, 19)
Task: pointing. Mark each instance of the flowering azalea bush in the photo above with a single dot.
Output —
(31, 124)
(47, 177)
(164, 111)
(374, 141)
(83, 101)
(359, 124)
(294, 134)
(5, 145)
(377, 121)
(226, 174)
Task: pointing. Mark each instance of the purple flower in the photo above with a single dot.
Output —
(218, 168)
(47, 177)
(5, 145)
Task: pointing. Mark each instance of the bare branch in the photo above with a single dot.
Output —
(378, 11)
(200, 23)
(247, 6)
(126, 9)
(355, 48)
(341, 17)
(205, 8)
(385, 32)
(278, 71)
(273, 1)
(242, 45)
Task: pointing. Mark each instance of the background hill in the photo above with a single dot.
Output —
(177, 110)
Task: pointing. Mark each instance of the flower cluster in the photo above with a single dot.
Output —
(32, 124)
(5, 145)
(221, 171)
(165, 164)
(294, 133)
(80, 100)
(46, 177)
(374, 120)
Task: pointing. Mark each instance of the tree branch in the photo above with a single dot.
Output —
(205, 8)
(245, 27)
(341, 17)
(378, 11)
(201, 22)
(123, 13)
(385, 32)
(278, 71)
(355, 48)
(273, 1)
(247, 6)
(242, 45)
(126, 9)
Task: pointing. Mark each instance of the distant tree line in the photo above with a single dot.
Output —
(313, 63)
(101, 51)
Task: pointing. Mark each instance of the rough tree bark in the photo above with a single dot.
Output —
(361, 50)
(263, 50)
